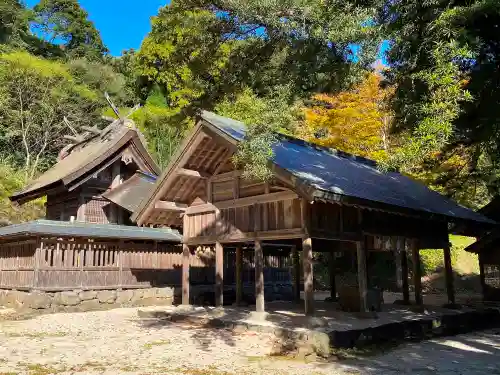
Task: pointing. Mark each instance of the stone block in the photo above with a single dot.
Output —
(165, 292)
(90, 305)
(149, 293)
(66, 299)
(137, 296)
(38, 300)
(124, 297)
(106, 296)
(87, 295)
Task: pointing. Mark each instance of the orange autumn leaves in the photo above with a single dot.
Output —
(355, 121)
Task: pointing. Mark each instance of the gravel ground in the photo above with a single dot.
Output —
(118, 342)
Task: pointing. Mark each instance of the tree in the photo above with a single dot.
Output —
(357, 121)
(64, 21)
(201, 52)
(264, 117)
(14, 26)
(444, 62)
(35, 96)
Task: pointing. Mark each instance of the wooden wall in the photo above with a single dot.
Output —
(65, 264)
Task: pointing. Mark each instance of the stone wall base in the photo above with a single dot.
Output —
(85, 300)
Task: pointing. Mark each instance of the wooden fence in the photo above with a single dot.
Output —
(65, 264)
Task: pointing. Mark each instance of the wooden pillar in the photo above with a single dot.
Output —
(404, 271)
(186, 253)
(482, 276)
(331, 272)
(448, 269)
(362, 275)
(219, 274)
(239, 274)
(396, 248)
(296, 269)
(307, 261)
(259, 277)
(417, 272)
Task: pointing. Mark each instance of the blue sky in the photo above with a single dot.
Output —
(123, 24)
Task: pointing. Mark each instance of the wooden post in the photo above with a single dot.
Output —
(239, 274)
(362, 275)
(448, 269)
(219, 274)
(482, 276)
(417, 272)
(259, 277)
(396, 248)
(307, 261)
(38, 256)
(404, 270)
(333, 284)
(186, 252)
(296, 274)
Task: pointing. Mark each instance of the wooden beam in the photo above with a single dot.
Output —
(219, 275)
(396, 248)
(241, 202)
(362, 275)
(91, 129)
(259, 277)
(192, 173)
(417, 272)
(171, 206)
(448, 269)
(248, 236)
(307, 261)
(186, 252)
(239, 274)
(227, 175)
(77, 139)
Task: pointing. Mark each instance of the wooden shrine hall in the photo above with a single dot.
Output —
(319, 200)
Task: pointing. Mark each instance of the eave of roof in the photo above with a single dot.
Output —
(87, 230)
(40, 187)
(130, 193)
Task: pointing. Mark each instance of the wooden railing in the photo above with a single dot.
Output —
(64, 264)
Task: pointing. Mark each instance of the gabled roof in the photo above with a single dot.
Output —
(336, 176)
(130, 193)
(77, 229)
(89, 157)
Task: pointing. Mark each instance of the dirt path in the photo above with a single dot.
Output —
(118, 342)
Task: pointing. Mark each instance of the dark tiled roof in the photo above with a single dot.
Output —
(77, 229)
(130, 193)
(336, 174)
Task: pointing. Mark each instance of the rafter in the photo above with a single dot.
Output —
(192, 173)
(170, 206)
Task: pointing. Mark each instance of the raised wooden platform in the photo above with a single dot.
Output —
(332, 328)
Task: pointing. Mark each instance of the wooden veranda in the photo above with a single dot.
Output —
(318, 200)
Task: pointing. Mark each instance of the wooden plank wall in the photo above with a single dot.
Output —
(17, 264)
(65, 264)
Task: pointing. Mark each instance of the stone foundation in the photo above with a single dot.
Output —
(85, 300)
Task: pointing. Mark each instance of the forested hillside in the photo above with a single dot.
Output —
(306, 68)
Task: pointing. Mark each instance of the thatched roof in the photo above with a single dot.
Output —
(85, 159)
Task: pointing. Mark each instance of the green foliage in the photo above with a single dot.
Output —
(204, 54)
(462, 262)
(12, 180)
(66, 21)
(264, 117)
(14, 26)
(444, 60)
(35, 95)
